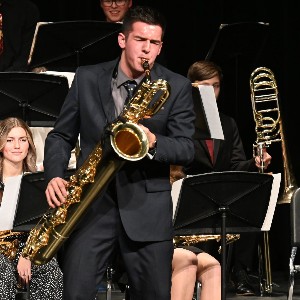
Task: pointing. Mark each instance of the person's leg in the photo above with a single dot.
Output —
(8, 280)
(184, 266)
(148, 266)
(209, 274)
(244, 250)
(87, 251)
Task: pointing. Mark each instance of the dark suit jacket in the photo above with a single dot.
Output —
(19, 21)
(143, 187)
(229, 153)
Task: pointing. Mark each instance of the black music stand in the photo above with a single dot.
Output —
(35, 98)
(64, 46)
(221, 203)
(238, 48)
(32, 203)
(244, 39)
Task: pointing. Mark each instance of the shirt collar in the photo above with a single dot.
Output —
(121, 78)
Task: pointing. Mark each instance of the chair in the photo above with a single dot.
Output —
(23, 292)
(197, 291)
(295, 240)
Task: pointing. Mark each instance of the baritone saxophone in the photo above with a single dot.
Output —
(188, 240)
(126, 141)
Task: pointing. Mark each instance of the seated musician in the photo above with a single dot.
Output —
(191, 264)
(227, 155)
(17, 156)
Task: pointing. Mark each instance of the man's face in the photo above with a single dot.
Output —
(143, 42)
(214, 82)
(115, 10)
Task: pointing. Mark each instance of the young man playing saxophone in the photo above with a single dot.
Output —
(135, 211)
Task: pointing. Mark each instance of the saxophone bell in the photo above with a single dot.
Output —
(121, 133)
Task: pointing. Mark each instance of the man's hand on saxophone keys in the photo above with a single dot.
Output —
(56, 192)
(151, 136)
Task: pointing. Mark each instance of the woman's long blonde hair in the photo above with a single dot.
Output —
(6, 125)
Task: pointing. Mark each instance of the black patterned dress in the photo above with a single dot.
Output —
(46, 280)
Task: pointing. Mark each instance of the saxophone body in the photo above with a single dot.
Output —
(188, 240)
(9, 243)
(126, 141)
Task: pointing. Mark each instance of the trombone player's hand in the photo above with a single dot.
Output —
(266, 159)
(56, 192)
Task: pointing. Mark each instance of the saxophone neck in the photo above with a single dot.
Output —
(146, 66)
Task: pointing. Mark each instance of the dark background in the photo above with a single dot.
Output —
(192, 28)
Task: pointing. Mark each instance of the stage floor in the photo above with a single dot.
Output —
(279, 290)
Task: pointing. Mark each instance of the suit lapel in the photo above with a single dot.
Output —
(156, 72)
(104, 85)
(216, 148)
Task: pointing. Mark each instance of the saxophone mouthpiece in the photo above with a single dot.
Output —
(146, 66)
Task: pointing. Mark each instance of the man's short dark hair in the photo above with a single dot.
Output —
(143, 14)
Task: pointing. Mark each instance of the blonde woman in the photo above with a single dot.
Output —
(18, 155)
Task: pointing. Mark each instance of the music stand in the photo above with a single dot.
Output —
(32, 203)
(64, 46)
(35, 98)
(238, 49)
(221, 203)
(244, 39)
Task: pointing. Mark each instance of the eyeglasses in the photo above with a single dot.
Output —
(108, 3)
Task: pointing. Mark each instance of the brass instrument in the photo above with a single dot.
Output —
(9, 243)
(269, 126)
(269, 129)
(127, 142)
(187, 240)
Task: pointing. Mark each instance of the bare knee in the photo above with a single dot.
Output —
(207, 262)
(183, 258)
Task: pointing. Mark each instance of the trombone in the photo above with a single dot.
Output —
(269, 129)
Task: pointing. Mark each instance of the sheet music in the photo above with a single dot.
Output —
(9, 202)
(69, 75)
(175, 192)
(272, 204)
(211, 111)
(39, 135)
